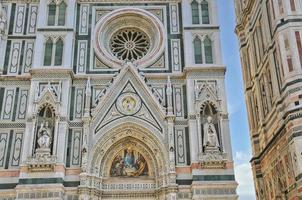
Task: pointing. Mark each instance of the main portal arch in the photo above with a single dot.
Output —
(127, 162)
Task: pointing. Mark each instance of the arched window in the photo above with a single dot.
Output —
(205, 12)
(197, 51)
(48, 52)
(62, 13)
(195, 12)
(56, 14)
(51, 14)
(59, 52)
(208, 50)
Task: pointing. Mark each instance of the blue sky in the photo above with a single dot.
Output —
(236, 104)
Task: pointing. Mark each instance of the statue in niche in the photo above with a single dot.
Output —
(44, 135)
(210, 134)
(129, 163)
(210, 129)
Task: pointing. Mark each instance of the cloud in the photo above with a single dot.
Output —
(244, 176)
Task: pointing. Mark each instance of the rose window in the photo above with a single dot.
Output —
(129, 45)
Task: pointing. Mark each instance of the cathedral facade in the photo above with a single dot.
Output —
(270, 37)
(105, 99)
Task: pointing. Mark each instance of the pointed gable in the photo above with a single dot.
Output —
(128, 96)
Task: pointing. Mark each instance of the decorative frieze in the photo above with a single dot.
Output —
(180, 146)
(28, 56)
(19, 23)
(9, 98)
(17, 147)
(79, 103)
(84, 19)
(3, 147)
(174, 19)
(76, 147)
(176, 55)
(32, 19)
(14, 61)
(22, 104)
(178, 101)
(82, 56)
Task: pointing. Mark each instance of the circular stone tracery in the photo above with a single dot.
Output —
(129, 45)
(135, 21)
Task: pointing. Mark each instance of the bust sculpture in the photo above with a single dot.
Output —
(210, 134)
(44, 136)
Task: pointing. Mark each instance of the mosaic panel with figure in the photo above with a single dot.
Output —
(129, 163)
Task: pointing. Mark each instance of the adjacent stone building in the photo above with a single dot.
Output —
(107, 99)
(270, 37)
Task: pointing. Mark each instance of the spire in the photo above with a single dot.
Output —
(169, 97)
(88, 98)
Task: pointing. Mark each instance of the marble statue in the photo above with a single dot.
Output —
(44, 136)
(210, 134)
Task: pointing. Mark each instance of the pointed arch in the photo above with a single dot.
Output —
(208, 50)
(195, 12)
(205, 12)
(48, 52)
(59, 52)
(197, 50)
(52, 9)
(62, 14)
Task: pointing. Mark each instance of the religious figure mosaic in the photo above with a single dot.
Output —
(129, 163)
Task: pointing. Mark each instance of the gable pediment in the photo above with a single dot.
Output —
(134, 100)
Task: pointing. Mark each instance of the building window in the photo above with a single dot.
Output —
(195, 12)
(56, 14)
(208, 50)
(48, 52)
(197, 51)
(299, 44)
(59, 52)
(205, 12)
(53, 53)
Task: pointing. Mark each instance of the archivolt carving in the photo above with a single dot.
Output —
(116, 139)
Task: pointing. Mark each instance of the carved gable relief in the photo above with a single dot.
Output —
(206, 91)
(130, 104)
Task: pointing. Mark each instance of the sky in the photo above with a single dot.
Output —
(236, 103)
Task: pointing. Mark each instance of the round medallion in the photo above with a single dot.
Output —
(128, 104)
(129, 35)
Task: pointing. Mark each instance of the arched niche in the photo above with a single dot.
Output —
(116, 141)
(45, 127)
(210, 122)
